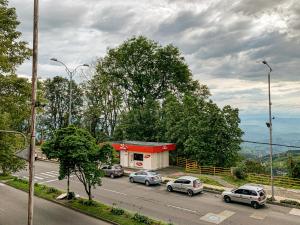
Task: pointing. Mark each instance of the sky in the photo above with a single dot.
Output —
(223, 42)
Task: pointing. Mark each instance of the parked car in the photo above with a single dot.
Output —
(188, 184)
(146, 177)
(113, 170)
(250, 194)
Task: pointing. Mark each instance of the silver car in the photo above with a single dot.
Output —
(146, 177)
(188, 184)
(250, 194)
(113, 170)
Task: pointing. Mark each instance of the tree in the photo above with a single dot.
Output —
(15, 96)
(12, 51)
(203, 131)
(146, 70)
(293, 168)
(140, 123)
(77, 153)
(56, 112)
(104, 103)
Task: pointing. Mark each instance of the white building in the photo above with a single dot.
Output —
(144, 155)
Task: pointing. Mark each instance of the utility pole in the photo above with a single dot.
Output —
(269, 124)
(33, 110)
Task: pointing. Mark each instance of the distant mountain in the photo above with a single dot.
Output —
(285, 131)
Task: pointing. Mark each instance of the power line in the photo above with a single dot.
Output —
(265, 143)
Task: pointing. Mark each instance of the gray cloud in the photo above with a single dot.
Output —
(220, 39)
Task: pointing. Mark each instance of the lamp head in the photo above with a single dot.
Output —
(86, 65)
(54, 59)
(264, 62)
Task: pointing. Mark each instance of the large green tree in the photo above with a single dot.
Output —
(146, 70)
(202, 130)
(56, 112)
(13, 51)
(14, 115)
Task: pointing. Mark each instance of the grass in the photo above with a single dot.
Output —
(6, 177)
(234, 181)
(92, 208)
(209, 180)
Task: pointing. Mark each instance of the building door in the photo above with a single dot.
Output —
(131, 159)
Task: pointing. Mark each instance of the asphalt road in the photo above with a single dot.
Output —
(177, 208)
(13, 211)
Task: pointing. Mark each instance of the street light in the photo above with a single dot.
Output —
(71, 74)
(269, 125)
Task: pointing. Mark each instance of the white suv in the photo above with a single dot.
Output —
(250, 194)
(188, 184)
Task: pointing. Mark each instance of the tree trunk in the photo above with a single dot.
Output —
(68, 183)
(90, 193)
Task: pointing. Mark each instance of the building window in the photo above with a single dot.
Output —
(138, 157)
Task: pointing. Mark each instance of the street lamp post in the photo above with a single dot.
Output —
(71, 74)
(269, 124)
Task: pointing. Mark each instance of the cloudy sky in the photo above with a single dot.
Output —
(222, 41)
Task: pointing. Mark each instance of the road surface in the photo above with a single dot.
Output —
(13, 211)
(156, 202)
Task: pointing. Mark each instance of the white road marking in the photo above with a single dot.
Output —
(52, 173)
(2, 184)
(49, 175)
(217, 218)
(180, 208)
(39, 178)
(295, 212)
(120, 193)
(48, 181)
(258, 215)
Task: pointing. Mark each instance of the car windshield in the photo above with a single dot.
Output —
(152, 173)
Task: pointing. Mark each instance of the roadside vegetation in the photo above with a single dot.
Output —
(89, 207)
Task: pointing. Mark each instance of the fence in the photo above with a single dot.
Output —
(192, 166)
(280, 181)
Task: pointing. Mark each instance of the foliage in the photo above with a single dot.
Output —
(240, 171)
(253, 166)
(293, 168)
(104, 102)
(145, 70)
(56, 114)
(117, 211)
(78, 153)
(290, 202)
(13, 51)
(141, 218)
(202, 131)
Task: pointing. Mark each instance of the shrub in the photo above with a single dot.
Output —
(71, 195)
(141, 218)
(52, 190)
(290, 202)
(117, 211)
(87, 202)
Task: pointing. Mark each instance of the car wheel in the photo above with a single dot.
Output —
(131, 180)
(147, 183)
(227, 199)
(169, 188)
(190, 193)
(112, 176)
(255, 205)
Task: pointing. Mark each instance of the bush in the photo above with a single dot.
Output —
(290, 202)
(71, 195)
(52, 190)
(87, 202)
(141, 219)
(117, 211)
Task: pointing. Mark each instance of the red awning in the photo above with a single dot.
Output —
(145, 147)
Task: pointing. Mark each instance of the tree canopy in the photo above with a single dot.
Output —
(13, 51)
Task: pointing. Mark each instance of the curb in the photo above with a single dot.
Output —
(70, 207)
(283, 204)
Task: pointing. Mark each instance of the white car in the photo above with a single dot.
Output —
(188, 184)
(250, 194)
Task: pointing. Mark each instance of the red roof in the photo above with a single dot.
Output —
(146, 147)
